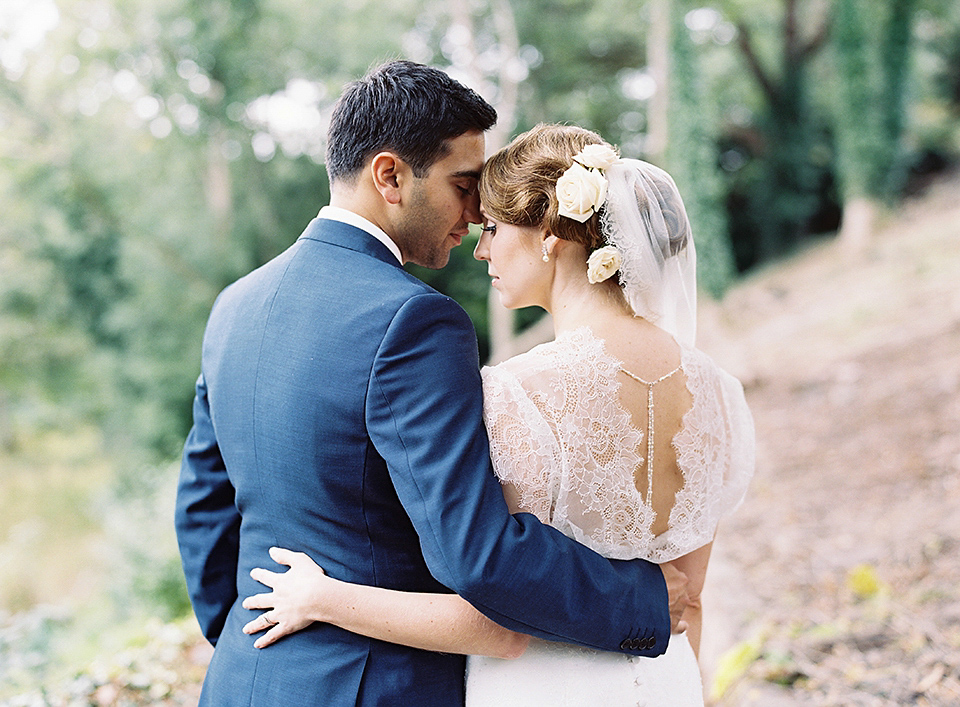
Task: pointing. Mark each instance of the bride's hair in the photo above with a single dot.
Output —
(519, 182)
(642, 217)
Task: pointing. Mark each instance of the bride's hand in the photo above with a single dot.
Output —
(295, 600)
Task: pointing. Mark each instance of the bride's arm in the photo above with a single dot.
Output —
(694, 566)
(434, 622)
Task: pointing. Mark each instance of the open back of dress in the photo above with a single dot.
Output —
(571, 452)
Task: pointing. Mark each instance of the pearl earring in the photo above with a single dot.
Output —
(546, 255)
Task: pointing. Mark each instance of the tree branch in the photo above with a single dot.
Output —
(790, 32)
(818, 40)
(753, 61)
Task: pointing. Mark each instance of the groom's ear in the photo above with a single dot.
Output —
(389, 173)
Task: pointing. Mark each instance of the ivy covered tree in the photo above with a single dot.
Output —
(872, 49)
(691, 156)
(785, 197)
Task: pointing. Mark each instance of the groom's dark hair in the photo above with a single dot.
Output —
(407, 108)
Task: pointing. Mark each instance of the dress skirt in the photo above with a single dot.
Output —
(561, 675)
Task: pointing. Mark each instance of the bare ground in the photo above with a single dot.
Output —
(838, 580)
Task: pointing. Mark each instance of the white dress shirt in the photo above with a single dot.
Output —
(336, 213)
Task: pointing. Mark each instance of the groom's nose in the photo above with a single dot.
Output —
(471, 210)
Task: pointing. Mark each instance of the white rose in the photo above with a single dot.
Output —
(602, 263)
(581, 192)
(597, 156)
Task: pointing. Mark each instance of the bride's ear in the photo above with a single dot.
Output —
(550, 242)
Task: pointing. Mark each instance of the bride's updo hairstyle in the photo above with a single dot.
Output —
(640, 233)
(518, 184)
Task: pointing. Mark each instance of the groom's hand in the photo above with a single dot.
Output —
(677, 595)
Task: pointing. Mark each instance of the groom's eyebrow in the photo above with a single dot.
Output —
(469, 173)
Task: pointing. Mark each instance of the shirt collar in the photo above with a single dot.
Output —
(336, 213)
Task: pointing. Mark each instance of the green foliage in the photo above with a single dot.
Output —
(872, 47)
(586, 49)
(692, 161)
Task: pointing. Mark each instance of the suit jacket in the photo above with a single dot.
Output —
(339, 413)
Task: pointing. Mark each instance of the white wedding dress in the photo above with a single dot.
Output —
(560, 437)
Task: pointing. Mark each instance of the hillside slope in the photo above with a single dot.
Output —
(838, 580)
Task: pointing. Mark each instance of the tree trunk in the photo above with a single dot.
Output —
(859, 222)
(504, 342)
(658, 59)
(506, 26)
(506, 346)
(787, 197)
(218, 188)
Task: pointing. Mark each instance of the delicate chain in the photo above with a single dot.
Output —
(650, 385)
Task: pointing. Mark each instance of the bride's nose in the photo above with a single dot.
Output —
(482, 251)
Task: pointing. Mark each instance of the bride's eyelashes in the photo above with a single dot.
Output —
(491, 229)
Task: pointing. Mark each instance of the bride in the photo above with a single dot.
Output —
(619, 432)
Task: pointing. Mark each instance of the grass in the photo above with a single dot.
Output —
(86, 564)
(51, 534)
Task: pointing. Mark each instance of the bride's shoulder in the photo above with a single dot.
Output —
(546, 365)
(534, 363)
(568, 349)
(704, 372)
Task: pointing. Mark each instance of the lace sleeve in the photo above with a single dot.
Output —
(742, 444)
(715, 450)
(522, 445)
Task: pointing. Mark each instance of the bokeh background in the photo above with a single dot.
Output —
(152, 151)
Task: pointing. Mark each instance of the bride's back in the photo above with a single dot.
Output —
(651, 362)
(568, 429)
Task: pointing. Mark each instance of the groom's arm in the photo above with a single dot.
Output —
(424, 415)
(207, 522)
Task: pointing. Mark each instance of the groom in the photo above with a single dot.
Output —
(338, 412)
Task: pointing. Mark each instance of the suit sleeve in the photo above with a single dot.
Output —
(425, 417)
(207, 522)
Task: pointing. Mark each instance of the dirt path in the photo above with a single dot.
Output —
(838, 581)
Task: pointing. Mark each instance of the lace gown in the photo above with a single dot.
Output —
(561, 438)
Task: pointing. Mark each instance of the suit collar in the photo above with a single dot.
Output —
(346, 236)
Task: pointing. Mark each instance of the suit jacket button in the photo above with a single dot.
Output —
(651, 643)
(625, 644)
(637, 644)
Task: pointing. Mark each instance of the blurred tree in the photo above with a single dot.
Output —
(691, 155)
(786, 192)
(872, 47)
(157, 151)
(154, 150)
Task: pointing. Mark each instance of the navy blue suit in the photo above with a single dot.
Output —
(339, 413)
